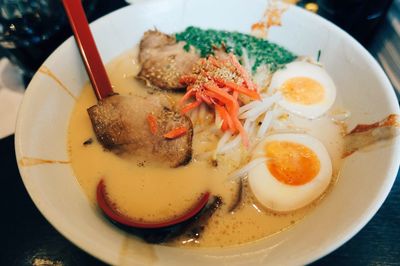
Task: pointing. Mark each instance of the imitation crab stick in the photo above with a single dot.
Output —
(218, 84)
(232, 85)
(243, 72)
(190, 106)
(227, 120)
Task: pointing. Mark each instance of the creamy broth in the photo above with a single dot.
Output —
(142, 190)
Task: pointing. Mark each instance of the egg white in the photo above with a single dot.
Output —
(312, 71)
(278, 196)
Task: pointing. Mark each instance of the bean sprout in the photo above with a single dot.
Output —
(242, 172)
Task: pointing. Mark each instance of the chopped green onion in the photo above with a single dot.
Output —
(260, 51)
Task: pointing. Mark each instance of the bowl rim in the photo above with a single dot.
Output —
(346, 236)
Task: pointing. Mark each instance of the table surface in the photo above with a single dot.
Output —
(28, 239)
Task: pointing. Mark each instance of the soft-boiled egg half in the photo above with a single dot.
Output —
(307, 90)
(297, 171)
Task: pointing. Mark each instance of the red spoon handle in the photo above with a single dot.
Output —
(87, 47)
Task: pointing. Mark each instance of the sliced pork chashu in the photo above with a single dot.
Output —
(163, 60)
(121, 126)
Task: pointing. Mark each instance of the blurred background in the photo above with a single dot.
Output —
(31, 29)
(374, 23)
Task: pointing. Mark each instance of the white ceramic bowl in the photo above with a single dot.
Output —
(365, 180)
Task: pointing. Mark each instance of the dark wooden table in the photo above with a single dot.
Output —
(26, 238)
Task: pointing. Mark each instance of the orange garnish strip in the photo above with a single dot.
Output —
(216, 83)
(243, 72)
(232, 85)
(187, 95)
(175, 133)
(190, 106)
(226, 118)
(152, 121)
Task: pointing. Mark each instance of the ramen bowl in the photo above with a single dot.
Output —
(365, 179)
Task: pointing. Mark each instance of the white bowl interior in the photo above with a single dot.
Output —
(365, 180)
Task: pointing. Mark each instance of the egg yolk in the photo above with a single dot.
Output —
(303, 90)
(291, 163)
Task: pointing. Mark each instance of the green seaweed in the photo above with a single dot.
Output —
(261, 51)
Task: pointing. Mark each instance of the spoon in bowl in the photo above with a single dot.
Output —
(102, 89)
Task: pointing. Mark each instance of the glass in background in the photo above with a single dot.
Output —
(360, 18)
